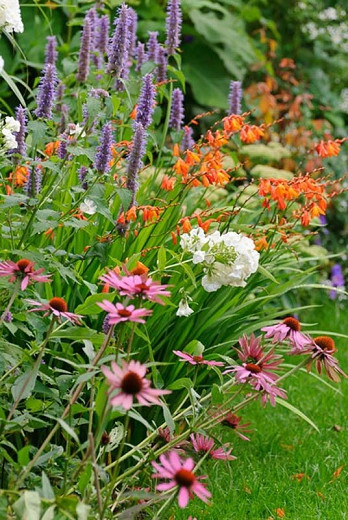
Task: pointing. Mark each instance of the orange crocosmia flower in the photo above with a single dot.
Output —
(250, 134)
(19, 176)
(328, 148)
(140, 269)
(261, 243)
(79, 215)
(181, 167)
(305, 218)
(192, 158)
(51, 148)
(121, 219)
(232, 123)
(176, 150)
(186, 225)
(131, 214)
(206, 225)
(9, 190)
(174, 238)
(49, 234)
(316, 211)
(150, 213)
(167, 183)
(280, 512)
(133, 114)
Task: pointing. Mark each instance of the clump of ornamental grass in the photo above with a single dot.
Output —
(142, 275)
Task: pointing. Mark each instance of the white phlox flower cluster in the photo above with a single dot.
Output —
(7, 129)
(10, 16)
(227, 259)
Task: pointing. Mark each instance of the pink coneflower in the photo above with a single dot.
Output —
(166, 436)
(288, 329)
(197, 360)
(233, 421)
(131, 383)
(23, 270)
(56, 306)
(118, 313)
(323, 349)
(269, 391)
(179, 472)
(203, 445)
(135, 285)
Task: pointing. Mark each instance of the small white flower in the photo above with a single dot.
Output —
(184, 309)
(12, 124)
(88, 206)
(198, 257)
(2, 63)
(9, 139)
(10, 16)
(76, 130)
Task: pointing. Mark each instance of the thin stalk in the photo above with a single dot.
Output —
(96, 476)
(9, 305)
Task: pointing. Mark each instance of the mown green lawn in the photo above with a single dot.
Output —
(262, 479)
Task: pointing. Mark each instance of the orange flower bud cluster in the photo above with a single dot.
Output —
(329, 148)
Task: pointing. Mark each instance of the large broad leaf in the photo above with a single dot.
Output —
(28, 506)
(206, 74)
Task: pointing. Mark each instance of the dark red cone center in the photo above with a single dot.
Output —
(131, 383)
(292, 323)
(124, 313)
(325, 343)
(58, 304)
(23, 264)
(184, 477)
(255, 369)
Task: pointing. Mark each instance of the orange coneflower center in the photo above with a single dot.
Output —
(231, 420)
(198, 359)
(292, 323)
(58, 304)
(124, 313)
(142, 287)
(131, 383)
(184, 477)
(255, 369)
(23, 264)
(325, 343)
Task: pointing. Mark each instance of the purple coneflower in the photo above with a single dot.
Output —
(203, 445)
(130, 382)
(103, 154)
(180, 473)
(46, 92)
(322, 354)
(119, 313)
(57, 307)
(135, 285)
(51, 53)
(146, 101)
(235, 98)
(197, 360)
(23, 270)
(173, 25)
(177, 110)
(289, 329)
(233, 421)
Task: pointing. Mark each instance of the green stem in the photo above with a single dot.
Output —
(9, 305)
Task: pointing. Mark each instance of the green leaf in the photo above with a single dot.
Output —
(161, 258)
(82, 511)
(49, 514)
(168, 418)
(183, 382)
(24, 384)
(90, 305)
(47, 491)
(38, 131)
(23, 455)
(125, 196)
(296, 411)
(195, 348)
(28, 506)
(66, 427)
(267, 274)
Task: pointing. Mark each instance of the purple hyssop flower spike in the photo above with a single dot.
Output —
(34, 180)
(85, 50)
(46, 92)
(173, 25)
(60, 94)
(103, 34)
(133, 22)
(103, 154)
(51, 53)
(187, 141)
(177, 110)
(8, 317)
(82, 172)
(146, 101)
(63, 146)
(152, 46)
(235, 97)
(162, 63)
(337, 280)
(141, 56)
(64, 111)
(20, 135)
(120, 43)
(135, 158)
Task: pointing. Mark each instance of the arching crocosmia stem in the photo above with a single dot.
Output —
(85, 50)
(173, 25)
